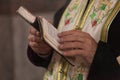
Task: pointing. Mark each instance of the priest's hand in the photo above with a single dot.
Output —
(77, 43)
(38, 45)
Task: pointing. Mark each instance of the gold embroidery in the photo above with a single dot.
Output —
(63, 66)
(81, 14)
(109, 20)
(81, 24)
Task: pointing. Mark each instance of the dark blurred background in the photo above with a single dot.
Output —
(14, 64)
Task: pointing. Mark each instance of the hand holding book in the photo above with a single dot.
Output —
(48, 32)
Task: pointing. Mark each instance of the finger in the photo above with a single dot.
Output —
(66, 33)
(34, 44)
(34, 31)
(70, 32)
(33, 38)
(71, 45)
(71, 38)
(71, 53)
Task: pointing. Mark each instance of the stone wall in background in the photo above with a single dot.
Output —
(36, 6)
(6, 48)
(14, 64)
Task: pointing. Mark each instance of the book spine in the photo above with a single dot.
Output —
(36, 24)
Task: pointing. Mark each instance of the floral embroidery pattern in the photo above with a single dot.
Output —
(71, 12)
(100, 11)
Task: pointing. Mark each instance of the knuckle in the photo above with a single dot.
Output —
(30, 43)
(33, 31)
(33, 44)
(29, 37)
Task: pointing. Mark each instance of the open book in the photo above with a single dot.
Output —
(47, 30)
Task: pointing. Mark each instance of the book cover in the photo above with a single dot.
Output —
(47, 31)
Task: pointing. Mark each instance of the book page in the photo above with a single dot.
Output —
(50, 34)
(49, 31)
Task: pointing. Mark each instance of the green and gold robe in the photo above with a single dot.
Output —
(93, 17)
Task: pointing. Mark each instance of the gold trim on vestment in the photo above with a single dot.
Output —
(62, 69)
(58, 27)
(109, 20)
(82, 23)
(63, 65)
(80, 16)
(63, 75)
